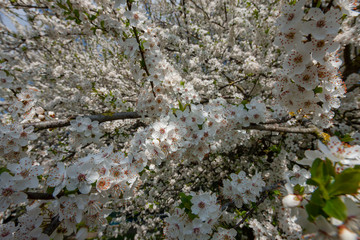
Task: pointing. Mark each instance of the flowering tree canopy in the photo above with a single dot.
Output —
(180, 119)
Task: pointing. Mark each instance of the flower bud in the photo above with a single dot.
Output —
(346, 234)
(291, 200)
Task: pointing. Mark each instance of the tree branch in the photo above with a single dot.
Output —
(41, 196)
(134, 115)
(27, 6)
(66, 122)
(273, 128)
(55, 222)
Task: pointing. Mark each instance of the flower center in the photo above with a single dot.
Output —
(290, 35)
(82, 177)
(7, 192)
(320, 23)
(298, 59)
(291, 16)
(320, 44)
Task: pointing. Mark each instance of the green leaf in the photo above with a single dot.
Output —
(299, 190)
(50, 190)
(185, 201)
(313, 211)
(76, 12)
(321, 172)
(336, 208)
(275, 148)
(317, 198)
(318, 90)
(347, 138)
(277, 192)
(4, 169)
(347, 182)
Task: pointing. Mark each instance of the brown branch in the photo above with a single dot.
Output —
(351, 65)
(352, 88)
(66, 122)
(206, 14)
(41, 196)
(55, 222)
(142, 53)
(232, 82)
(27, 6)
(133, 115)
(273, 128)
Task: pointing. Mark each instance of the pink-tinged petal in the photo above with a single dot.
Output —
(32, 137)
(84, 188)
(72, 171)
(14, 168)
(78, 216)
(324, 148)
(103, 183)
(33, 182)
(21, 185)
(26, 162)
(4, 203)
(6, 180)
(313, 154)
(92, 177)
(18, 197)
(53, 181)
(72, 184)
(36, 170)
(58, 189)
(82, 234)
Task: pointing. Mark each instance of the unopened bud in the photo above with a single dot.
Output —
(346, 234)
(292, 200)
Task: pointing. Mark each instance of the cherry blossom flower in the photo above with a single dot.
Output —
(322, 24)
(224, 234)
(197, 229)
(288, 39)
(5, 80)
(70, 208)
(297, 60)
(25, 173)
(204, 204)
(57, 177)
(319, 48)
(103, 183)
(291, 16)
(307, 79)
(10, 193)
(337, 151)
(134, 16)
(7, 230)
(81, 176)
(348, 7)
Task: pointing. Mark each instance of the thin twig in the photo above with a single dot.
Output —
(264, 195)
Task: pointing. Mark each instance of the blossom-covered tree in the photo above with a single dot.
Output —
(179, 119)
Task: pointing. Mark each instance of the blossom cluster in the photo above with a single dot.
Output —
(242, 190)
(202, 78)
(85, 130)
(13, 137)
(311, 64)
(199, 222)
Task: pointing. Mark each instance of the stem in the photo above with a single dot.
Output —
(266, 193)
